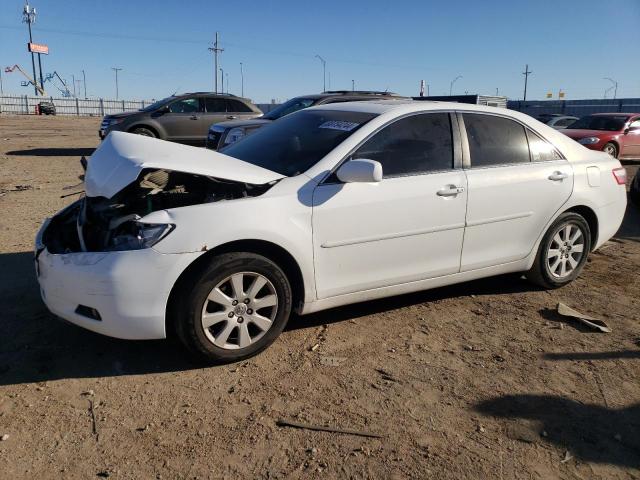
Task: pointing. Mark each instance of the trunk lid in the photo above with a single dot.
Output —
(120, 158)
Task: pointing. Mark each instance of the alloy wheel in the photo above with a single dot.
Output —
(239, 310)
(565, 250)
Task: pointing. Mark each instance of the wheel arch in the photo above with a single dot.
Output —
(270, 250)
(615, 143)
(591, 218)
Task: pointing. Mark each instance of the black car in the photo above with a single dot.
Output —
(225, 133)
(181, 118)
(634, 191)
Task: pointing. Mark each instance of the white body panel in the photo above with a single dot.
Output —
(352, 242)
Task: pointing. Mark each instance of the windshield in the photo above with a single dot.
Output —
(291, 106)
(295, 143)
(599, 122)
(155, 105)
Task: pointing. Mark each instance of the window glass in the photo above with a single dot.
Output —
(541, 151)
(565, 122)
(611, 123)
(495, 140)
(635, 124)
(236, 106)
(186, 105)
(291, 106)
(295, 143)
(215, 105)
(412, 145)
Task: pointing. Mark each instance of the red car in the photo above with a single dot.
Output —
(618, 134)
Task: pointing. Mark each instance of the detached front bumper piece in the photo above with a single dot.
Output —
(119, 294)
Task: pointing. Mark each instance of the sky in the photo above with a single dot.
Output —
(162, 46)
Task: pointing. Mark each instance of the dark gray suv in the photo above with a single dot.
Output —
(225, 133)
(181, 118)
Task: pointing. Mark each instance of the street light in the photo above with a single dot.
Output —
(452, 82)
(324, 72)
(241, 81)
(615, 86)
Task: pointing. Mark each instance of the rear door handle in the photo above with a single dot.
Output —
(231, 117)
(449, 191)
(193, 117)
(557, 176)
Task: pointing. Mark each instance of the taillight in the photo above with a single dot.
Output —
(620, 174)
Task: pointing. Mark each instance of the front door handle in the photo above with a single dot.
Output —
(557, 176)
(231, 117)
(449, 191)
(193, 117)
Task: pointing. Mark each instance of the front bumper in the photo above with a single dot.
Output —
(128, 289)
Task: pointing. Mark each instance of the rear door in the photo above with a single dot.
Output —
(238, 110)
(181, 121)
(632, 140)
(216, 112)
(407, 227)
(516, 182)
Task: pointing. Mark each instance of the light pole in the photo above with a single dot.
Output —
(452, 82)
(84, 82)
(73, 82)
(615, 86)
(227, 81)
(221, 80)
(241, 81)
(324, 72)
(116, 70)
(353, 85)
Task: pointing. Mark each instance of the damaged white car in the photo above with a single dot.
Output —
(328, 206)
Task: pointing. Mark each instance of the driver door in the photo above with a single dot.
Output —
(181, 121)
(407, 227)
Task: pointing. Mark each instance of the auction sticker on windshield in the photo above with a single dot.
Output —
(339, 125)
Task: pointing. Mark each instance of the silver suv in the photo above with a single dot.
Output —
(181, 118)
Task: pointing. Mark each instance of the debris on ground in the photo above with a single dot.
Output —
(4, 437)
(567, 457)
(322, 428)
(594, 323)
(332, 361)
(88, 393)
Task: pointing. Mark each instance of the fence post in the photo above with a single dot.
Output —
(142, 103)
(101, 107)
(123, 105)
(77, 107)
(26, 103)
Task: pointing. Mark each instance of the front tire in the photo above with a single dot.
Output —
(562, 252)
(611, 149)
(233, 308)
(145, 132)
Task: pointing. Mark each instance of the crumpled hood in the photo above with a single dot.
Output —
(121, 157)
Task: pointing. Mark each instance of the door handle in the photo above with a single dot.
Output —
(193, 117)
(449, 191)
(231, 117)
(557, 176)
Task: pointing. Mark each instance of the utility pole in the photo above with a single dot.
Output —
(615, 87)
(73, 82)
(221, 80)
(115, 70)
(452, 82)
(241, 81)
(353, 85)
(226, 80)
(324, 72)
(79, 81)
(215, 51)
(29, 17)
(1, 89)
(84, 82)
(526, 74)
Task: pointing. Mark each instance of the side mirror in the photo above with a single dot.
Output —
(360, 171)
(163, 110)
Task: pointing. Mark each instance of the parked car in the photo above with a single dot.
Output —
(634, 191)
(182, 118)
(561, 121)
(47, 108)
(226, 133)
(618, 134)
(328, 206)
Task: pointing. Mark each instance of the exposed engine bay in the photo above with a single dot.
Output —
(99, 224)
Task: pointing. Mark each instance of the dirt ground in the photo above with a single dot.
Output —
(479, 380)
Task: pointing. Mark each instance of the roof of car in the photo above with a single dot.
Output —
(406, 106)
(615, 114)
(350, 93)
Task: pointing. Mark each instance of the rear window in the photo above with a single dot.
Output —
(495, 140)
(295, 143)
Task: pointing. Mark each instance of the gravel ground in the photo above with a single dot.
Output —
(479, 380)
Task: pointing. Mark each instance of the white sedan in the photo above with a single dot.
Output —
(325, 207)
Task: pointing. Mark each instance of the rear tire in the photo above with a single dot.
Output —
(233, 308)
(562, 252)
(611, 149)
(145, 132)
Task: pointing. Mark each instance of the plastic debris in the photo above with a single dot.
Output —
(581, 317)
